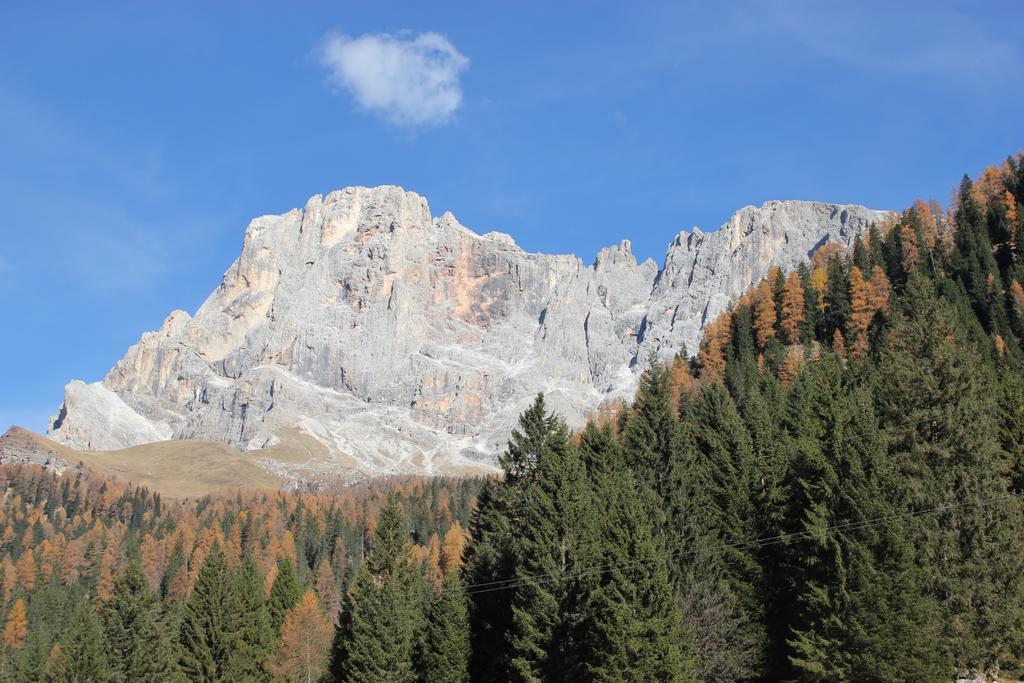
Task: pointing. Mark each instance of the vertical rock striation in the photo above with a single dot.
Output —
(408, 343)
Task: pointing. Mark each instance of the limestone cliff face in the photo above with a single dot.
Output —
(405, 342)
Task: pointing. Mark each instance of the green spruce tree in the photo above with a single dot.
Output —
(553, 539)
(284, 594)
(211, 622)
(83, 649)
(488, 562)
(634, 630)
(938, 401)
(722, 578)
(139, 647)
(446, 659)
(254, 634)
(856, 609)
(377, 636)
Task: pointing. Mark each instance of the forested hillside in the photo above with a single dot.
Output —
(102, 580)
(830, 490)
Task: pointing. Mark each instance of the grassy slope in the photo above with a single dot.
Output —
(174, 468)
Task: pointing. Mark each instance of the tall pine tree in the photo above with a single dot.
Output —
(376, 639)
(139, 647)
(211, 622)
(939, 405)
(83, 649)
(634, 632)
(446, 659)
(553, 539)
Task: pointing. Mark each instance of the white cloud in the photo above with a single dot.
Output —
(411, 80)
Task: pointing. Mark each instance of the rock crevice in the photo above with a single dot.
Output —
(407, 343)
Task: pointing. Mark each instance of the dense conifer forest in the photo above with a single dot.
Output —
(103, 581)
(829, 490)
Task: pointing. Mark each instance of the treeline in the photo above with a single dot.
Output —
(830, 490)
(100, 580)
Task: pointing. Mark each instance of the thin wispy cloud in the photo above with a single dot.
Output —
(411, 80)
(941, 42)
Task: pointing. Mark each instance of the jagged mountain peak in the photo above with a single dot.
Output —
(404, 342)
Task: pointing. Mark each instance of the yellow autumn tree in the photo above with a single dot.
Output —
(302, 651)
(792, 308)
(712, 350)
(680, 382)
(233, 546)
(990, 184)
(1010, 205)
(1017, 294)
(52, 663)
(791, 366)
(432, 567)
(152, 561)
(327, 590)
(839, 344)
(861, 313)
(16, 626)
(880, 290)
(27, 571)
(910, 253)
(819, 283)
(10, 578)
(764, 314)
(822, 255)
(451, 548)
(929, 224)
(104, 585)
(268, 580)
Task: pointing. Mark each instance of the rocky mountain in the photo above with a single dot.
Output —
(377, 338)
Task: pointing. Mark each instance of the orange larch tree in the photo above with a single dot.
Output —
(929, 224)
(861, 313)
(304, 647)
(1010, 205)
(152, 561)
(1017, 295)
(880, 290)
(990, 184)
(822, 255)
(712, 351)
(451, 548)
(433, 559)
(268, 580)
(764, 314)
(10, 578)
(839, 344)
(27, 571)
(910, 253)
(327, 590)
(791, 366)
(793, 303)
(16, 627)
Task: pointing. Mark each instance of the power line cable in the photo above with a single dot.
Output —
(507, 582)
(753, 544)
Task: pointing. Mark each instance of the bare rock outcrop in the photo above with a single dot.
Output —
(22, 447)
(408, 343)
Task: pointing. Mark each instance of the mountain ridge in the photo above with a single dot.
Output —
(409, 342)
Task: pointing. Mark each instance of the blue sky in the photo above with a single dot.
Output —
(137, 139)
